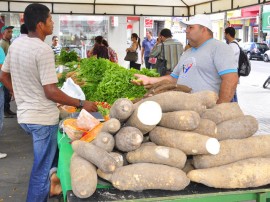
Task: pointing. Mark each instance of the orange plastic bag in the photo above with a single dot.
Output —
(91, 135)
(72, 130)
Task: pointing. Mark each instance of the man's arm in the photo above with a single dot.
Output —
(5, 78)
(227, 87)
(145, 80)
(52, 92)
(156, 50)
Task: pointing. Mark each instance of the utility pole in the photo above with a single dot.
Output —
(225, 24)
(260, 32)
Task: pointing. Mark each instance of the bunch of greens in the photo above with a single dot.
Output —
(116, 84)
(65, 57)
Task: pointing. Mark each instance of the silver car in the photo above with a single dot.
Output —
(266, 56)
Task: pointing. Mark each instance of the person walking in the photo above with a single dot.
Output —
(173, 49)
(36, 97)
(202, 67)
(229, 35)
(5, 43)
(135, 47)
(147, 45)
(2, 98)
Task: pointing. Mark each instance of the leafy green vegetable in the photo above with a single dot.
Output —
(65, 57)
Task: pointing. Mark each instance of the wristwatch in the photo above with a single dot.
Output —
(81, 102)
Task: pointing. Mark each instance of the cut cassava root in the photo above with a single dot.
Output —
(145, 117)
(189, 142)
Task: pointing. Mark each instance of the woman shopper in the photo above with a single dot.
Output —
(135, 47)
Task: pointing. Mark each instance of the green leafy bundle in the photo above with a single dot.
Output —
(65, 57)
(116, 84)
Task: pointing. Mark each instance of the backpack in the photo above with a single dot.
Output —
(244, 66)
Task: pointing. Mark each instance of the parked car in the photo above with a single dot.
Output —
(266, 56)
(255, 50)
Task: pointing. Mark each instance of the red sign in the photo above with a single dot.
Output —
(255, 30)
(148, 23)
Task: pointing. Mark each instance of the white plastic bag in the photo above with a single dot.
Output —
(86, 120)
(72, 89)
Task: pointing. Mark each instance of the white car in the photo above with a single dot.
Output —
(266, 56)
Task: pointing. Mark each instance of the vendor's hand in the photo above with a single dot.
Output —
(90, 106)
(141, 80)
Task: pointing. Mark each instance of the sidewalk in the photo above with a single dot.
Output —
(15, 169)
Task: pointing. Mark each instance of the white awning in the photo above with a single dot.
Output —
(132, 7)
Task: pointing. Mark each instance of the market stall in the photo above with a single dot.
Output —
(135, 7)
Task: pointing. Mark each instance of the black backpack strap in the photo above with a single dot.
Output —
(236, 44)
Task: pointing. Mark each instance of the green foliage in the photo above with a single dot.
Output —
(65, 57)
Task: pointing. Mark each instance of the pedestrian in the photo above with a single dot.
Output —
(112, 54)
(56, 46)
(173, 49)
(29, 72)
(5, 43)
(2, 98)
(229, 35)
(135, 47)
(99, 50)
(147, 45)
(208, 65)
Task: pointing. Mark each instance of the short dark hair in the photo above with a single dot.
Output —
(54, 37)
(99, 39)
(35, 13)
(230, 31)
(166, 33)
(23, 29)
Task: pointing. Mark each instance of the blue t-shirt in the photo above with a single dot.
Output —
(2, 58)
(201, 68)
(148, 46)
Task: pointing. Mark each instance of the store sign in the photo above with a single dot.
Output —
(114, 21)
(237, 26)
(148, 23)
(266, 21)
(255, 30)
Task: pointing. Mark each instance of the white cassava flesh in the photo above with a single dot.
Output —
(189, 142)
(253, 172)
(233, 150)
(143, 176)
(146, 116)
(175, 101)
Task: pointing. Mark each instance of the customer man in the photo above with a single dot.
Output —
(173, 49)
(36, 98)
(5, 43)
(56, 46)
(147, 45)
(229, 36)
(2, 99)
(208, 65)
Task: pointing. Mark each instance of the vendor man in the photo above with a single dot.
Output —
(208, 65)
(29, 72)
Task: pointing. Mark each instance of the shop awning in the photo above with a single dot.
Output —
(132, 7)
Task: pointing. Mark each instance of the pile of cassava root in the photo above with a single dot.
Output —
(145, 146)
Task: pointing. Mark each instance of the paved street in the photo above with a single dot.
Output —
(15, 169)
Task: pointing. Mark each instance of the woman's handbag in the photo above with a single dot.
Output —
(161, 64)
(131, 56)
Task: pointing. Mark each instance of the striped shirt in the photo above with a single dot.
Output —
(173, 51)
(30, 62)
